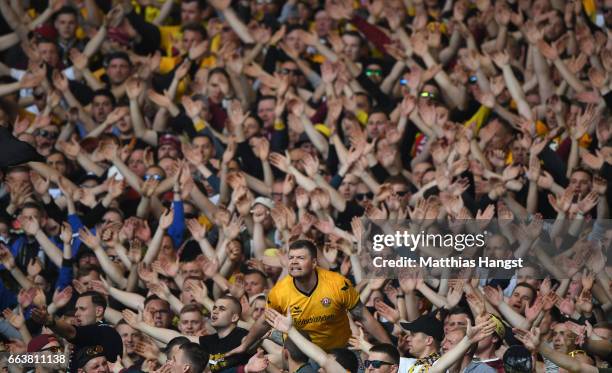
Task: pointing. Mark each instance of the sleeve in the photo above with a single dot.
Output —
(150, 35)
(349, 297)
(76, 224)
(250, 163)
(177, 229)
(9, 332)
(94, 216)
(374, 35)
(65, 275)
(8, 299)
(54, 212)
(215, 182)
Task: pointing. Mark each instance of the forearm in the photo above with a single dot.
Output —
(256, 332)
(8, 40)
(572, 161)
(21, 279)
(435, 298)
(356, 268)
(303, 180)
(313, 351)
(514, 318)
(161, 334)
(516, 91)
(94, 44)
(164, 12)
(91, 80)
(109, 267)
(412, 308)
(453, 94)
(129, 176)
(154, 246)
(259, 240)
(532, 197)
(337, 200)
(565, 361)
(131, 300)
(387, 84)
(88, 165)
(567, 75)
(315, 136)
(450, 357)
(63, 329)
(374, 328)
(94, 14)
(238, 26)
(52, 251)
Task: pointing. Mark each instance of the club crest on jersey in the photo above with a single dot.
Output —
(326, 302)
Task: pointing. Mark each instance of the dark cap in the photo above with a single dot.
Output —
(169, 139)
(88, 353)
(37, 343)
(84, 251)
(517, 359)
(302, 140)
(426, 324)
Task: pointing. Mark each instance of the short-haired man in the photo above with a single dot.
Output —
(318, 301)
(190, 358)
(294, 359)
(191, 321)
(89, 331)
(426, 334)
(382, 358)
(224, 319)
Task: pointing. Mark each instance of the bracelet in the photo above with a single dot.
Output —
(52, 323)
(400, 296)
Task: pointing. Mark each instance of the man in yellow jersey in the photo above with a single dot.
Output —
(317, 300)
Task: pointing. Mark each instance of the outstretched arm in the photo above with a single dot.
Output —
(360, 313)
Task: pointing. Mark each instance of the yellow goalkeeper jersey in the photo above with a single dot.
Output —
(322, 313)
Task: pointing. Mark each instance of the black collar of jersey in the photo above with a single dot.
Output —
(313, 289)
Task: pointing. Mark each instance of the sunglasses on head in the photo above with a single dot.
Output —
(47, 134)
(376, 363)
(157, 177)
(370, 72)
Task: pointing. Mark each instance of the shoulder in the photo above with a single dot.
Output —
(240, 332)
(333, 278)
(285, 283)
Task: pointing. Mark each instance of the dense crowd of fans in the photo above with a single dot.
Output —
(202, 172)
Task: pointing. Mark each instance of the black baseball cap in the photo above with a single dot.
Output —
(88, 353)
(426, 324)
(517, 359)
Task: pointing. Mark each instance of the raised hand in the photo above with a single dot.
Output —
(62, 297)
(494, 295)
(89, 239)
(165, 220)
(278, 321)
